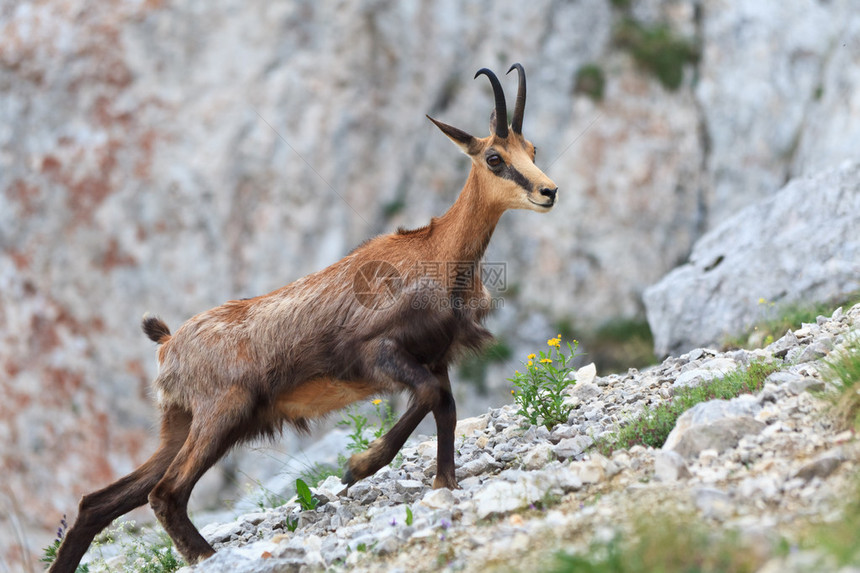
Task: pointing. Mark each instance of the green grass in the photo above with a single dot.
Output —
(654, 425)
(666, 544)
(657, 49)
(619, 344)
(843, 370)
(149, 553)
(591, 81)
(317, 473)
(840, 539)
(784, 318)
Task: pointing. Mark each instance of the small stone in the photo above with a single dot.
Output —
(427, 449)
(669, 466)
(538, 457)
(499, 497)
(781, 347)
(720, 435)
(363, 492)
(408, 486)
(438, 499)
(468, 426)
(221, 532)
(822, 467)
(478, 466)
(586, 375)
(331, 487)
(807, 384)
(387, 545)
(694, 377)
(782, 377)
(564, 431)
(713, 502)
(572, 447)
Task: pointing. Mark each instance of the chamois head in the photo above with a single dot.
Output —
(504, 162)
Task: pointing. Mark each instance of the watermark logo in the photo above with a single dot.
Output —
(378, 284)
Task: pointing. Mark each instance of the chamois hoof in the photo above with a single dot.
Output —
(348, 479)
(449, 483)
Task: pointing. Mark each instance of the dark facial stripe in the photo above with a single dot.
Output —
(510, 172)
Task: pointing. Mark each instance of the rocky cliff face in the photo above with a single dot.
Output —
(165, 157)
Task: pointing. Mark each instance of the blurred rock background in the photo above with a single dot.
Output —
(167, 156)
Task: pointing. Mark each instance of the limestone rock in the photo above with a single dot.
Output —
(669, 466)
(717, 424)
(800, 244)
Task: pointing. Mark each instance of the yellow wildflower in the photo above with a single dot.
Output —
(531, 356)
(558, 336)
(554, 342)
(530, 363)
(376, 402)
(546, 360)
(513, 392)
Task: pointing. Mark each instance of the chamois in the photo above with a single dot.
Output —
(390, 316)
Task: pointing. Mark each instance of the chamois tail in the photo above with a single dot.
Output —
(156, 329)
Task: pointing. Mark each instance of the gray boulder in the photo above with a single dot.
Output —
(799, 245)
(716, 424)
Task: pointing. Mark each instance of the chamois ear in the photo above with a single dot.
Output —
(467, 143)
(493, 121)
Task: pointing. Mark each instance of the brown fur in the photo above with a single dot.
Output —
(244, 369)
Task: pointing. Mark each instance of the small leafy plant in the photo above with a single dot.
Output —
(843, 370)
(408, 516)
(359, 424)
(539, 391)
(156, 557)
(49, 553)
(307, 501)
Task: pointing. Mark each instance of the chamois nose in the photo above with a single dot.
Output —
(549, 193)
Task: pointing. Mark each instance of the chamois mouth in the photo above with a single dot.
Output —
(546, 206)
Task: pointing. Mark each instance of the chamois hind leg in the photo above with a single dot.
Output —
(97, 510)
(213, 431)
(427, 392)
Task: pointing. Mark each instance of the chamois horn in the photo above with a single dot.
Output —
(501, 126)
(520, 105)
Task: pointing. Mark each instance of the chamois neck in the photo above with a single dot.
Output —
(464, 231)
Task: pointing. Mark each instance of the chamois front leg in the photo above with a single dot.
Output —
(395, 363)
(445, 414)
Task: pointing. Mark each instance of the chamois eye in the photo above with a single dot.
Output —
(494, 160)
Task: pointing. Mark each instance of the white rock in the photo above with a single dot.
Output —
(586, 374)
(468, 426)
(438, 499)
(572, 447)
(538, 457)
(669, 466)
(220, 532)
